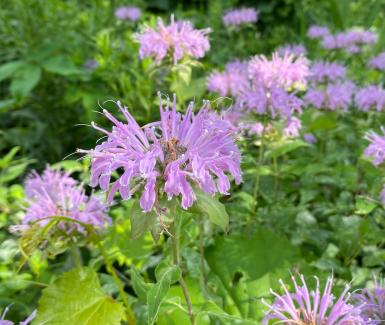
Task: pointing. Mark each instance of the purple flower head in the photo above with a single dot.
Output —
(292, 128)
(284, 71)
(370, 97)
(376, 148)
(339, 95)
(336, 96)
(317, 31)
(240, 16)
(273, 101)
(378, 62)
(326, 71)
(250, 129)
(91, 64)
(314, 97)
(305, 307)
(372, 301)
(292, 49)
(351, 40)
(179, 39)
(128, 13)
(55, 193)
(231, 81)
(310, 138)
(170, 156)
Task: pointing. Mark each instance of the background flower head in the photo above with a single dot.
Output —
(177, 40)
(237, 17)
(128, 13)
(55, 193)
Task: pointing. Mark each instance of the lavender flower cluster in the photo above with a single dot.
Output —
(128, 13)
(351, 40)
(55, 193)
(177, 40)
(171, 156)
(242, 16)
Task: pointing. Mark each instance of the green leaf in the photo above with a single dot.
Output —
(140, 287)
(76, 297)
(214, 209)
(61, 65)
(158, 292)
(280, 149)
(8, 157)
(140, 221)
(364, 205)
(12, 172)
(8, 69)
(25, 80)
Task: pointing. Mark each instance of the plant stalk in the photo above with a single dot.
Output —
(176, 261)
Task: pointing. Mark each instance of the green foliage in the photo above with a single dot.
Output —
(77, 298)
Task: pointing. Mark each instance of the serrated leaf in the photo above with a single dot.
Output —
(140, 287)
(140, 221)
(214, 209)
(25, 80)
(281, 149)
(76, 297)
(158, 292)
(61, 65)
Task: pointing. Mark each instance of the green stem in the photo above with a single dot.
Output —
(257, 177)
(176, 261)
(276, 177)
(76, 257)
(130, 315)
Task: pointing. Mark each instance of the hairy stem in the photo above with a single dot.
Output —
(176, 261)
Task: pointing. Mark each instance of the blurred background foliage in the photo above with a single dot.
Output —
(316, 211)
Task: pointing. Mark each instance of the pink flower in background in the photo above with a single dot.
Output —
(317, 31)
(326, 71)
(378, 62)
(370, 97)
(240, 16)
(314, 97)
(172, 154)
(55, 193)
(285, 71)
(128, 13)
(179, 39)
(292, 127)
(231, 81)
(376, 148)
(293, 49)
(303, 306)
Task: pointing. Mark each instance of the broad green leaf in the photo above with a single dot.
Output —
(364, 205)
(77, 298)
(70, 166)
(140, 221)
(214, 209)
(140, 287)
(247, 266)
(8, 69)
(158, 292)
(280, 149)
(61, 65)
(25, 80)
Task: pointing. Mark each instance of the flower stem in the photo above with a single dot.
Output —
(176, 261)
(76, 257)
(130, 315)
(259, 164)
